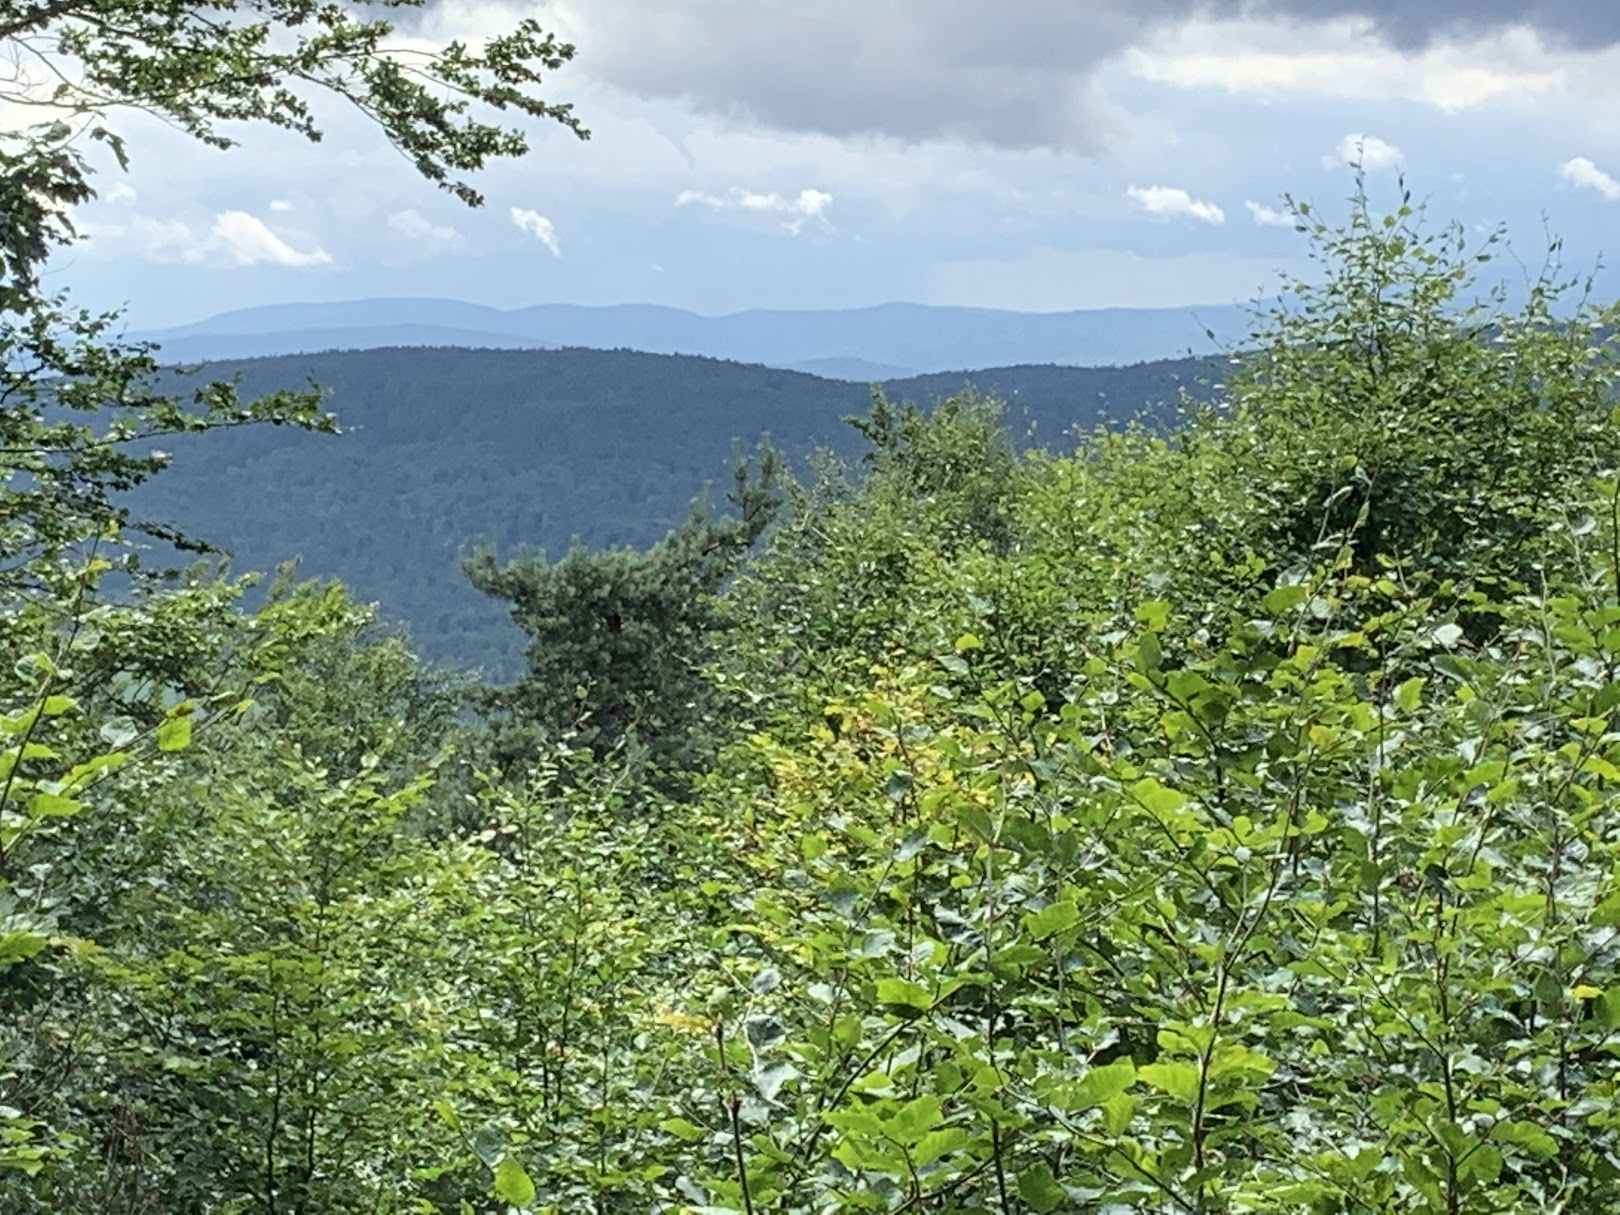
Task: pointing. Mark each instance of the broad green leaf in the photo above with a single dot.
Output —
(1528, 1136)
(1038, 1188)
(937, 1144)
(18, 945)
(1149, 655)
(1118, 1112)
(51, 805)
(1283, 598)
(512, 1184)
(174, 734)
(1482, 1162)
(1102, 1084)
(1155, 613)
(1054, 918)
(1598, 766)
(1157, 797)
(1178, 1078)
(682, 1129)
(1234, 1057)
(914, 1119)
(903, 993)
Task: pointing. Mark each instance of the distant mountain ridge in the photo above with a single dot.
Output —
(883, 342)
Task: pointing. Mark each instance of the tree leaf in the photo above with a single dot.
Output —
(1039, 1188)
(1053, 918)
(1102, 1084)
(904, 994)
(174, 734)
(682, 1129)
(769, 1078)
(512, 1184)
(1175, 1077)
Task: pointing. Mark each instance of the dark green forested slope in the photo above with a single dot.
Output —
(444, 448)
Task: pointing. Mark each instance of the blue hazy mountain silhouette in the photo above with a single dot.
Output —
(882, 342)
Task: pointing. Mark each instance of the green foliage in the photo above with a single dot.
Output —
(55, 758)
(204, 66)
(618, 638)
(79, 417)
(956, 462)
(1310, 918)
(1166, 856)
(867, 568)
(344, 686)
(1390, 404)
(166, 1013)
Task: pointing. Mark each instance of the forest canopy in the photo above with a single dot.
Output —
(1214, 819)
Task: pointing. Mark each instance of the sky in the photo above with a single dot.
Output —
(1026, 154)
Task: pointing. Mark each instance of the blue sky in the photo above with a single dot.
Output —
(1035, 154)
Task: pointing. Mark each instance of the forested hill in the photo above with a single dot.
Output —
(447, 447)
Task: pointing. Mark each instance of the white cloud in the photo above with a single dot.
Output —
(246, 241)
(806, 205)
(121, 192)
(1582, 172)
(1170, 201)
(281, 205)
(414, 226)
(1372, 152)
(234, 238)
(538, 226)
(1341, 58)
(1269, 217)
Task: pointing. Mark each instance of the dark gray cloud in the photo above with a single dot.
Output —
(1587, 24)
(1013, 73)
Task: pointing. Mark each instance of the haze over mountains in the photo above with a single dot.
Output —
(886, 342)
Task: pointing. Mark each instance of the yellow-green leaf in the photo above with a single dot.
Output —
(1409, 696)
(1178, 1078)
(512, 1184)
(1052, 919)
(51, 805)
(174, 734)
